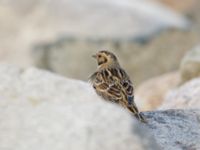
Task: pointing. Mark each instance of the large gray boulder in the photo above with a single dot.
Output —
(41, 110)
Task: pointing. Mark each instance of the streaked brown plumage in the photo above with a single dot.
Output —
(112, 83)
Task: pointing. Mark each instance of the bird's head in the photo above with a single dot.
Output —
(106, 59)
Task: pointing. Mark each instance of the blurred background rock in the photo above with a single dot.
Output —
(149, 36)
(155, 91)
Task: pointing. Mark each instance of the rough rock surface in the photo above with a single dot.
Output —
(176, 129)
(40, 110)
(190, 65)
(151, 93)
(186, 96)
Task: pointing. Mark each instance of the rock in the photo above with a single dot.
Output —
(190, 65)
(189, 8)
(186, 96)
(151, 93)
(183, 7)
(140, 61)
(194, 15)
(27, 23)
(40, 110)
(176, 129)
(74, 17)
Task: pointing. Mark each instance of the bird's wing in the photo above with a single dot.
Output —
(113, 83)
(122, 79)
(125, 83)
(105, 86)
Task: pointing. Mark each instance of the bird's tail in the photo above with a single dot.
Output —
(133, 108)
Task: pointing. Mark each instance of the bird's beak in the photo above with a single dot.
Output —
(94, 56)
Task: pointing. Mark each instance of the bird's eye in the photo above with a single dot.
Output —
(99, 56)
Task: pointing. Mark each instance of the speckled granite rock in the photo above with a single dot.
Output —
(176, 129)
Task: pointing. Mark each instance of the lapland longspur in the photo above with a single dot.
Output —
(112, 83)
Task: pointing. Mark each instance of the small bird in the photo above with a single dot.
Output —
(112, 83)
